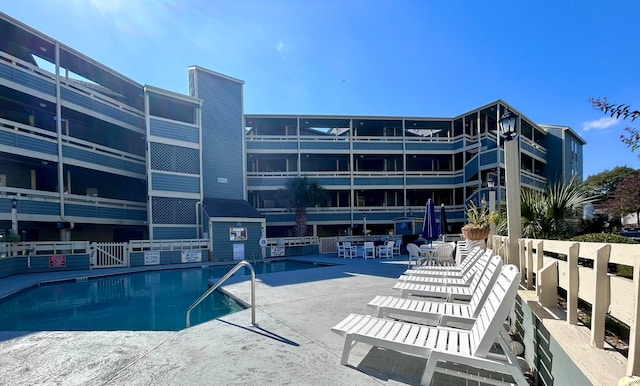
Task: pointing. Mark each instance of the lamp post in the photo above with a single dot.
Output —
(492, 208)
(14, 215)
(509, 133)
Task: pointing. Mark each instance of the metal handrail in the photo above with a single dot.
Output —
(222, 280)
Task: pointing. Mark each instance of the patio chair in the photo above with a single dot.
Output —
(349, 250)
(368, 250)
(462, 281)
(386, 250)
(443, 255)
(450, 293)
(414, 253)
(443, 344)
(340, 249)
(396, 247)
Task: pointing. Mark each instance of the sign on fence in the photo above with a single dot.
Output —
(191, 256)
(57, 261)
(152, 258)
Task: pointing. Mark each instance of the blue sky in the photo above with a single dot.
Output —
(375, 57)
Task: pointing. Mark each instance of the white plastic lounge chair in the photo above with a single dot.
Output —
(445, 268)
(368, 250)
(468, 264)
(450, 293)
(464, 247)
(444, 344)
(464, 280)
(439, 312)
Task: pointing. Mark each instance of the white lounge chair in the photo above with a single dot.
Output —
(439, 312)
(444, 344)
(464, 247)
(349, 250)
(450, 293)
(468, 264)
(464, 280)
(447, 268)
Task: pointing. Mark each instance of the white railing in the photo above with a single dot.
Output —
(44, 248)
(167, 245)
(580, 268)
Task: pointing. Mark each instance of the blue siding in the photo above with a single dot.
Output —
(375, 145)
(527, 147)
(39, 207)
(174, 130)
(175, 233)
(103, 160)
(223, 247)
(273, 145)
(222, 134)
(18, 265)
(436, 180)
(93, 211)
(329, 217)
(471, 168)
(394, 182)
(325, 145)
(341, 181)
(100, 107)
(175, 183)
(435, 146)
(489, 158)
(264, 181)
(27, 79)
(24, 142)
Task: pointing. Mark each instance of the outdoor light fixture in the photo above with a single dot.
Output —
(508, 125)
(491, 184)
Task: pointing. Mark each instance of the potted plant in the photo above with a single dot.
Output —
(478, 220)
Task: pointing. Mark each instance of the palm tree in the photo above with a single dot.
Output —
(299, 194)
(545, 215)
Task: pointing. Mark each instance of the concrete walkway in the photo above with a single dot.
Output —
(292, 344)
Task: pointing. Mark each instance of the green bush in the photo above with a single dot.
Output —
(604, 238)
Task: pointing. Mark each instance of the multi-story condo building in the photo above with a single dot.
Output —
(88, 154)
(386, 168)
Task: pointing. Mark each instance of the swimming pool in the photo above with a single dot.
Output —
(146, 301)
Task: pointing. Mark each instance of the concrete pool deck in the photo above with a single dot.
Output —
(291, 344)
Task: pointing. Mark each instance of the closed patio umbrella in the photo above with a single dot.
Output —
(443, 220)
(430, 230)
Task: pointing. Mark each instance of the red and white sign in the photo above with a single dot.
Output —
(57, 261)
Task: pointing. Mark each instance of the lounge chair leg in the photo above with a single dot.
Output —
(346, 350)
(429, 370)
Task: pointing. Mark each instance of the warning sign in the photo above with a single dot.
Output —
(57, 261)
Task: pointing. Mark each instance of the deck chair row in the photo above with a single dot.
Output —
(490, 296)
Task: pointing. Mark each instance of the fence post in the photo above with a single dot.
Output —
(539, 262)
(522, 260)
(530, 268)
(574, 283)
(600, 296)
(633, 358)
(548, 285)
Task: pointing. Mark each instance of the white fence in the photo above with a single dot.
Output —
(581, 269)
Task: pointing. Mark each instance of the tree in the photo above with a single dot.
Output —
(626, 198)
(299, 194)
(547, 214)
(605, 183)
(624, 111)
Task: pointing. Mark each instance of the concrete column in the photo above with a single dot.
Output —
(14, 216)
(512, 175)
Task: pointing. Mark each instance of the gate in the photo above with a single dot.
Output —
(109, 255)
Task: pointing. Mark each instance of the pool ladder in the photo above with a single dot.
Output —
(219, 283)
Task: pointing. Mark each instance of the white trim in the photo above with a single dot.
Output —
(172, 194)
(211, 72)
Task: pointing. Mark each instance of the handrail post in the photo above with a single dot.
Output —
(219, 283)
(600, 296)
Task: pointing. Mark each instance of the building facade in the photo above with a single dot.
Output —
(89, 154)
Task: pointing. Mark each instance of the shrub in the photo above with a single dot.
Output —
(604, 238)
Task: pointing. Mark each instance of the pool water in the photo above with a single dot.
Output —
(146, 301)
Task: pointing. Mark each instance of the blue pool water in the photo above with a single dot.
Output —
(146, 301)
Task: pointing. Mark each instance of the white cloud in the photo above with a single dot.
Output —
(280, 47)
(599, 124)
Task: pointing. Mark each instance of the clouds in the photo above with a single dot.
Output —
(599, 124)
